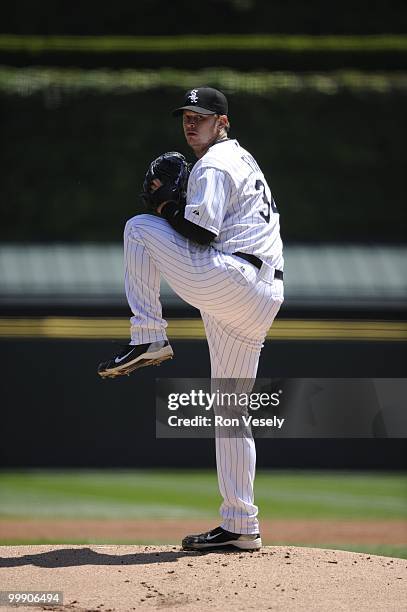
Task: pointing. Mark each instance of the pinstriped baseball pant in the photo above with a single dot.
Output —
(237, 310)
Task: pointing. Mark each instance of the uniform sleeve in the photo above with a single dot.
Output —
(172, 212)
(209, 191)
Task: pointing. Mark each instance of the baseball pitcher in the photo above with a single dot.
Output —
(213, 233)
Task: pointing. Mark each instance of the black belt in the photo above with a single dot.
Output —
(258, 263)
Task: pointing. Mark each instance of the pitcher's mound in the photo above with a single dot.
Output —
(123, 578)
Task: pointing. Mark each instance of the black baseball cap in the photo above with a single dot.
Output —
(204, 100)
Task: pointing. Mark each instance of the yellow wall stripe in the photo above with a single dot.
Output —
(192, 329)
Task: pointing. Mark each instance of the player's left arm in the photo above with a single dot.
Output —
(209, 192)
(200, 219)
(174, 213)
(164, 193)
(175, 217)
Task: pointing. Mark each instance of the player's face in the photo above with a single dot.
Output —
(200, 130)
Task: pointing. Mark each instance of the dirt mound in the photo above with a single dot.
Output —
(125, 578)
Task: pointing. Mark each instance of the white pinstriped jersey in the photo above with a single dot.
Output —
(229, 196)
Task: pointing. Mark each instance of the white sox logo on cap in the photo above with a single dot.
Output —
(204, 100)
(193, 96)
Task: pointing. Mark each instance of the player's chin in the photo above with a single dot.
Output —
(191, 137)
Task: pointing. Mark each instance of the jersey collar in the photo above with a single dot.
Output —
(220, 142)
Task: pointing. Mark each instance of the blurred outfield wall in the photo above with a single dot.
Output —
(79, 143)
(232, 16)
(57, 412)
(317, 93)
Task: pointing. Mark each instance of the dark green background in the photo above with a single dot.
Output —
(73, 165)
(149, 17)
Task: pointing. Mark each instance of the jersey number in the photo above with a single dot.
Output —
(265, 211)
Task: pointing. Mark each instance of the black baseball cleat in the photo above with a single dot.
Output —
(133, 357)
(220, 538)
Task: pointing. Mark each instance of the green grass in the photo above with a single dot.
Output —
(193, 494)
(379, 549)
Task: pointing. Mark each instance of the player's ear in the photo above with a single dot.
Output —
(222, 121)
(224, 125)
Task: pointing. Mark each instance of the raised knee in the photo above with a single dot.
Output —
(136, 223)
